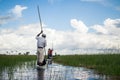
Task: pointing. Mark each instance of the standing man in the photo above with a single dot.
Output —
(50, 53)
(41, 44)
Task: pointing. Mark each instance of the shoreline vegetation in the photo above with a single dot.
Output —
(108, 64)
(12, 60)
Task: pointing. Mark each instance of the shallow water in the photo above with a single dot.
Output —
(28, 71)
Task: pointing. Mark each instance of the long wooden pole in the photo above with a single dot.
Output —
(40, 24)
(39, 18)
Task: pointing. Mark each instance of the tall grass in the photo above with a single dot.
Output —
(11, 60)
(108, 64)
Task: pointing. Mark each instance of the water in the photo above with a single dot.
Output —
(28, 71)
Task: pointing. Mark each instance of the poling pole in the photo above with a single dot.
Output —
(39, 17)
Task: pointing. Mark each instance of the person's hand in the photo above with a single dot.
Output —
(41, 31)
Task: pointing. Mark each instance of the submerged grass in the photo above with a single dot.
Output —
(11, 60)
(108, 64)
(10, 63)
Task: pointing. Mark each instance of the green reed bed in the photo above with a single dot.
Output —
(11, 60)
(108, 64)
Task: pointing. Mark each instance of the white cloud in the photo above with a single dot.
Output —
(17, 10)
(63, 41)
(5, 19)
(113, 26)
(100, 29)
(113, 23)
(79, 26)
(13, 14)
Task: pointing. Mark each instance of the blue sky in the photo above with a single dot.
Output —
(69, 24)
(58, 13)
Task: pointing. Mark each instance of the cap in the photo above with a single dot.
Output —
(43, 35)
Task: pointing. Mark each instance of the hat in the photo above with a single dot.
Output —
(43, 35)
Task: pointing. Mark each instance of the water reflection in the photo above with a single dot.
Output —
(59, 72)
(28, 71)
(40, 74)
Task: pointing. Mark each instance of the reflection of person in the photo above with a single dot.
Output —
(41, 43)
(40, 74)
(50, 53)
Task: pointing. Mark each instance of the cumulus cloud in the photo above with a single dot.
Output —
(79, 26)
(13, 14)
(113, 26)
(5, 19)
(17, 10)
(113, 23)
(64, 41)
(100, 29)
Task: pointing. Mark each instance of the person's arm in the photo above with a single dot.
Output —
(40, 33)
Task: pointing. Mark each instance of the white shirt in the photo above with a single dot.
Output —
(41, 42)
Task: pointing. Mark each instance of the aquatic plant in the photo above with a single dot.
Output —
(108, 64)
(11, 60)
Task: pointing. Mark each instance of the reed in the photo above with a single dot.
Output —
(108, 64)
(11, 60)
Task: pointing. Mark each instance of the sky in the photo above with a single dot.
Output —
(68, 24)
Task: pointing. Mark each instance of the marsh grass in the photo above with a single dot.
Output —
(12, 60)
(11, 63)
(108, 64)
